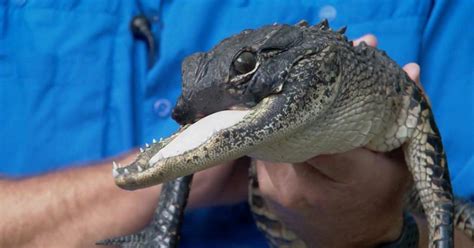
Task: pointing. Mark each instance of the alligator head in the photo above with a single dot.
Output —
(249, 90)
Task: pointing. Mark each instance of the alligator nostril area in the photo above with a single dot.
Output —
(182, 115)
(178, 115)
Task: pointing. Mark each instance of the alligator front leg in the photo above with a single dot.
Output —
(464, 217)
(163, 231)
(427, 162)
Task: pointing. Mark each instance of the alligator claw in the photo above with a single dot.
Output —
(146, 238)
(163, 230)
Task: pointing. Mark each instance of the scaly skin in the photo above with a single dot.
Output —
(308, 92)
(464, 217)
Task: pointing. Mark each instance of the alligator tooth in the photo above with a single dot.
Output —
(154, 141)
(140, 169)
(147, 145)
(126, 171)
(114, 169)
(161, 139)
(141, 149)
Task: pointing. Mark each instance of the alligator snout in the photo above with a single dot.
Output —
(183, 114)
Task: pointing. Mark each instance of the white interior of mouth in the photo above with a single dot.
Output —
(199, 132)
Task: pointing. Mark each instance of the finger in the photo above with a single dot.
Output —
(265, 183)
(283, 188)
(293, 185)
(345, 167)
(369, 39)
(413, 71)
(354, 167)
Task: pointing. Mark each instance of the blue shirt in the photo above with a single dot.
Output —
(74, 83)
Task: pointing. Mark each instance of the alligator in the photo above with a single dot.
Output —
(287, 93)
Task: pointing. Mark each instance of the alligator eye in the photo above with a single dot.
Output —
(245, 62)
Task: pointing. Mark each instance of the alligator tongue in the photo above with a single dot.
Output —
(199, 132)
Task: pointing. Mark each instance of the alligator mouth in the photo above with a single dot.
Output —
(215, 139)
(199, 132)
(144, 170)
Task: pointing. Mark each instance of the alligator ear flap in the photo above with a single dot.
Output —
(323, 25)
(302, 23)
(278, 87)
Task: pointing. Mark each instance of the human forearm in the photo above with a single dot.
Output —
(71, 208)
(76, 207)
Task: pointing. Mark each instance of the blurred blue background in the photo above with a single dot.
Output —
(75, 87)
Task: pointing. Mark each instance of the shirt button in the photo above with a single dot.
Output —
(162, 107)
(155, 17)
(327, 12)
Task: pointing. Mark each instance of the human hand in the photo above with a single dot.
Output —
(353, 199)
(220, 185)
